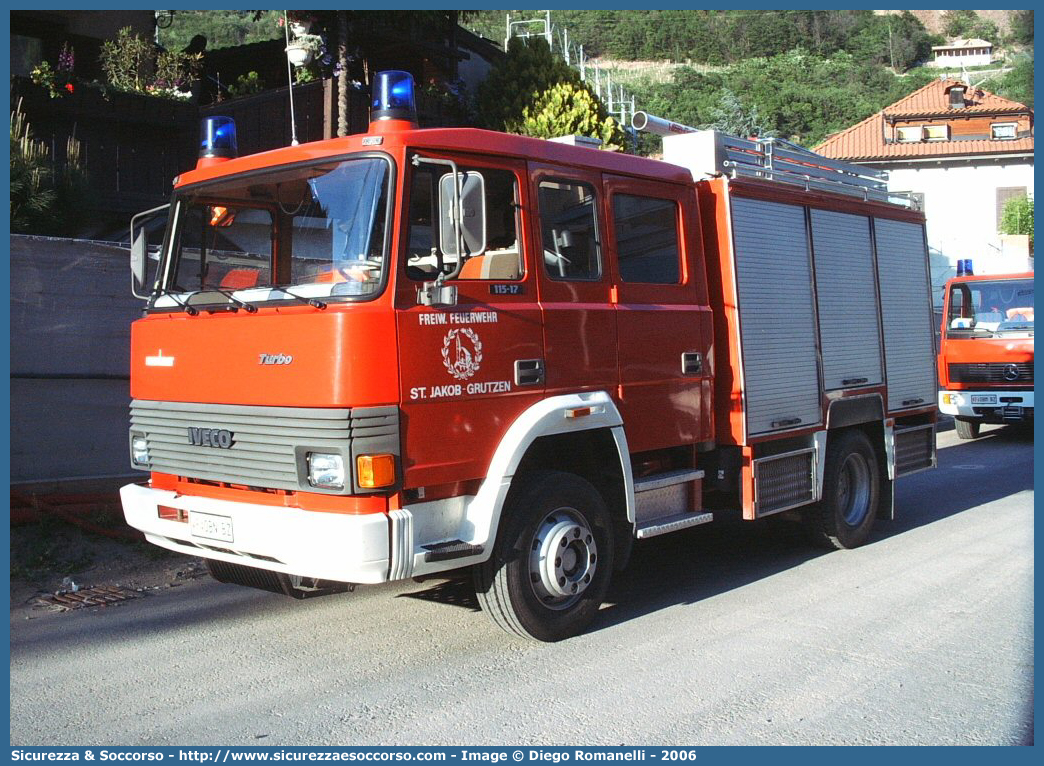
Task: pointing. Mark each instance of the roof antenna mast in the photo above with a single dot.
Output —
(290, 81)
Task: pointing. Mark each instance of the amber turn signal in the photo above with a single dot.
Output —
(375, 471)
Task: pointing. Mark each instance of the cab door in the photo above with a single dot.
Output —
(574, 279)
(663, 320)
(467, 370)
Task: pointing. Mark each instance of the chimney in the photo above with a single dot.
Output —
(957, 96)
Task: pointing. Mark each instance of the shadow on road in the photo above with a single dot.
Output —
(456, 592)
(702, 562)
(682, 568)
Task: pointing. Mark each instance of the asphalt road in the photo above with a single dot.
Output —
(726, 634)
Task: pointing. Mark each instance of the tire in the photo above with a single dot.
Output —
(846, 513)
(967, 429)
(532, 594)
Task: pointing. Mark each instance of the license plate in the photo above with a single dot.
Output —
(991, 399)
(210, 527)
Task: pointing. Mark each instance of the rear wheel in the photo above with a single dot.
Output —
(851, 492)
(967, 429)
(550, 570)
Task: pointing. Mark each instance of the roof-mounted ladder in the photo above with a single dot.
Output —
(709, 153)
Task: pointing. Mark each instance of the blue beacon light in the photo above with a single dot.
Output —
(217, 138)
(393, 97)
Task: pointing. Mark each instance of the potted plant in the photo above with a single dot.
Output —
(303, 48)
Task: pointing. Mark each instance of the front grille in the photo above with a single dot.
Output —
(783, 481)
(998, 373)
(267, 442)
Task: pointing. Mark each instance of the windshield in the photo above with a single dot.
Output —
(987, 308)
(320, 231)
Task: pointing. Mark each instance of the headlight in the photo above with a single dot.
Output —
(139, 451)
(325, 470)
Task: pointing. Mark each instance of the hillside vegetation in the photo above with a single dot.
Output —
(798, 74)
(728, 37)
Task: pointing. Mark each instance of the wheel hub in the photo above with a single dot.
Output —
(563, 558)
(853, 489)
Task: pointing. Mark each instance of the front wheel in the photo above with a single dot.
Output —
(550, 570)
(851, 490)
(967, 429)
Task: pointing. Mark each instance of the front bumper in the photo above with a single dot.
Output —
(988, 405)
(329, 546)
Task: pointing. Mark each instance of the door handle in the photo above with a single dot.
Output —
(692, 363)
(529, 372)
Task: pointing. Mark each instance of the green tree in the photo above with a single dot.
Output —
(1017, 217)
(1018, 83)
(223, 29)
(1022, 27)
(967, 23)
(518, 81)
(957, 23)
(896, 41)
(568, 109)
(984, 29)
(736, 118)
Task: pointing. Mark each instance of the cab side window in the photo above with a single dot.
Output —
(646, 239)
(502, 258)
(569, 229)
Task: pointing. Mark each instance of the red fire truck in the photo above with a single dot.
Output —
(402, 353)
(986, 356)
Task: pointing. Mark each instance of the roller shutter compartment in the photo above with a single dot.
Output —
(846, 290)
(777, 316)
(906, 314)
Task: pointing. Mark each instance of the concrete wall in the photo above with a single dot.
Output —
(71, 310)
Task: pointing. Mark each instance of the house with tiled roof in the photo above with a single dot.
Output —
(962, 152)
(961, 52)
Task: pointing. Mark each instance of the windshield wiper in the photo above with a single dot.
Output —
(193, 311)
(310, 301)
(249, 307)
(190, 310)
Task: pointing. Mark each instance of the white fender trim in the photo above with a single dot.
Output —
(545, 418)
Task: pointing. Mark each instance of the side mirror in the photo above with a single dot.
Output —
(471, 214)
(139, 250)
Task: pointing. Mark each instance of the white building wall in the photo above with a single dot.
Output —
(965, 59)
(960, 207)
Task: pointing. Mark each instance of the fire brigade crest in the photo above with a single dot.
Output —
(462, 353)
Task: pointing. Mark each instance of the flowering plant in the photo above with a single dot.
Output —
(58, 80)
(130, 62)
